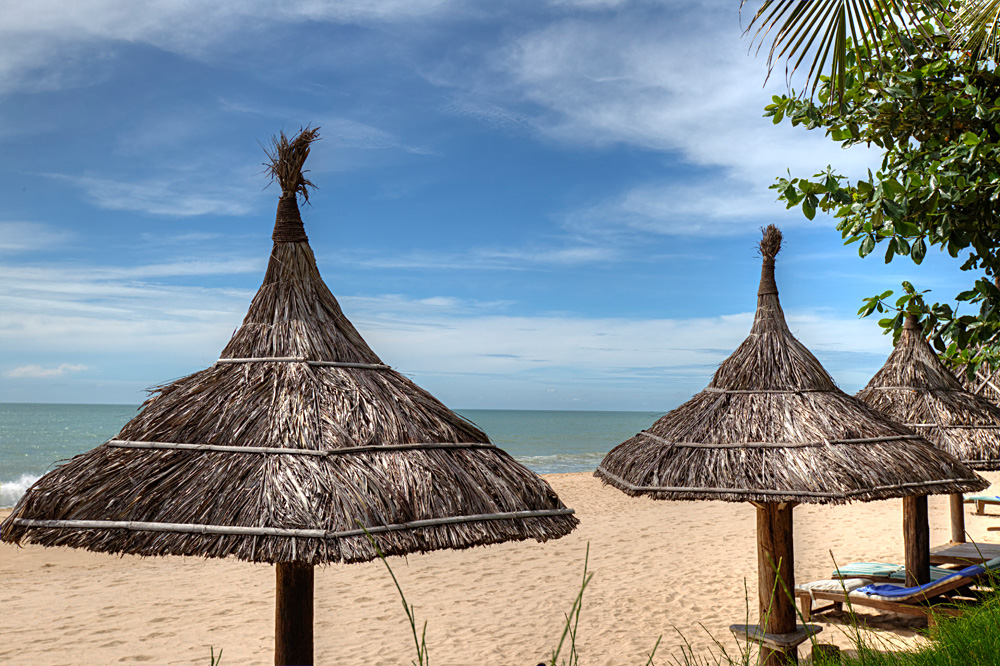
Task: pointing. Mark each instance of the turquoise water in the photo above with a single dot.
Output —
(34, 438)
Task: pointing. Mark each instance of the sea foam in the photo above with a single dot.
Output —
(11, 491)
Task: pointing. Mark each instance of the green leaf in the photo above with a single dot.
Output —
(867, 245)
(918, 250)
(807, 208)
(892, 208)
(890, 250)
(970, 139)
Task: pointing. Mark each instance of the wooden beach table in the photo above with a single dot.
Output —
(964, 553)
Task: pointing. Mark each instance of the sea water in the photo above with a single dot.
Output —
(35, 438)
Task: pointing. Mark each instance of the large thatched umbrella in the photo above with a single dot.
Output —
(914, 388)
(773, 429)
(288, 449)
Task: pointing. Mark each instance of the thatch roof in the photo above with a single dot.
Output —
(286, 447)
(985, 384)
(917, 390)
(773, 427)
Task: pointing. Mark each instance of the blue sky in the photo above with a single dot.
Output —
(525, 204)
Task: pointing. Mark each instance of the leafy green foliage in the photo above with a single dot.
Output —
(936, 116)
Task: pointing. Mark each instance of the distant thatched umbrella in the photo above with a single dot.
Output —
(985, 384)
(286, 450)
(987, 376)
(917, 390)
(773, 429)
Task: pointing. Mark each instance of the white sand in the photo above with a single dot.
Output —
(659, 568)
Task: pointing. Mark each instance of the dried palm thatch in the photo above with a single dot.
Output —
(285, 450)
(773, 427)
(915, 389)
(986, 382)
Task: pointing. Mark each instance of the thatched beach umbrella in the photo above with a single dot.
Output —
(773, 429)
(288, 449)
(986, 382)
(915, 389)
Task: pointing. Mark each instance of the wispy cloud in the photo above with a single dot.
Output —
(119, 310)
(38, 372)
(491, 114)
(638, 360)
(178, 197)
(340, 131)
(460, 347)
(681, 85)
(31, 236)
(719, 208)
(565, 254)
(39, 36)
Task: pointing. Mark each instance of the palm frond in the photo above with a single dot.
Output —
(977, 28)
(818, 29)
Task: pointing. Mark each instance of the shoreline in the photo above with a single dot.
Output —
(659, 568)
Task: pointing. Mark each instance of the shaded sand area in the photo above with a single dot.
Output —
(659, 568)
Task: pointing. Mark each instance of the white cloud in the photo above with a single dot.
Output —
(31, 236)
(566, 254)
(38, 372)
(459, 347)
(493, 115)
(338, 131)
(176, 196)
(719, 208)
(434, 341)
(122, 311)
(678, 82)
(50, 44)
(496, 360)
(589, 4)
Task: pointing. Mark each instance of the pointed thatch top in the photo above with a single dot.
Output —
(286, 159)
(773, 427)
(295, 440)
(917, 390)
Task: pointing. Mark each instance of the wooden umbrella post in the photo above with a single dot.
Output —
(957, 502)
(916, 540)
(776, 578)
(293, 614)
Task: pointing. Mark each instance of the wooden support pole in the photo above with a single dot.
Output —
(293, 614)
(916, 540)
(776, 578)
(957, 502)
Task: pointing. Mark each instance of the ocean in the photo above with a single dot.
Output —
(34, 438)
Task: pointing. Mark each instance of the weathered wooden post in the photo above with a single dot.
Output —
(776, 579)
(957, 503)
(293, 614)
(916, 537)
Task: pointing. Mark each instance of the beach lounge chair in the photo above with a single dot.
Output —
(933, 597)
(882, 572)
(981, 501)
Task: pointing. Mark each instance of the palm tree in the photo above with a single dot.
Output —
(799, 29)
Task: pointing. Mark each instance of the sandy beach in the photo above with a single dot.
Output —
(660, 568)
